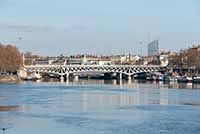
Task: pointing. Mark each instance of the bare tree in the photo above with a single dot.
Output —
(10, 58)
(189, 57)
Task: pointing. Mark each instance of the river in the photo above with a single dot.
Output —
(99, 107)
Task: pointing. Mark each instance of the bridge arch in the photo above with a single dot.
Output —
(120, 69)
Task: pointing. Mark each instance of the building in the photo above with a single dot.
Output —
(104, 62)
(125, 59)
(151, 60)
(164, 61)
(153, 48)
(43, 61)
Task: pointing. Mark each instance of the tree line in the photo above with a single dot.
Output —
(10, 58)
(189, 58)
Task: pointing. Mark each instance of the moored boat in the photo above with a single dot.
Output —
(160, 78)
(33, 76)
(173, 79)
(189, 79)
(182, 79)
(196, 80)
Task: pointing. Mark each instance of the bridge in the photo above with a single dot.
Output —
(119, 70)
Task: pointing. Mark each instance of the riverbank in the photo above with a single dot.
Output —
(10, 79)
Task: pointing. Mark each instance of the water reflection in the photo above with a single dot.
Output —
(184, 85)
(134, 84)
(126, 97)
(122, 93)
(9, 108)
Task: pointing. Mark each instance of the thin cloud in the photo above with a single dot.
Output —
(40, 28)
(26, 28)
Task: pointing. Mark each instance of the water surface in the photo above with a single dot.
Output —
(100, 107)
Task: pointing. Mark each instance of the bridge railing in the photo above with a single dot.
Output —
(121, 66)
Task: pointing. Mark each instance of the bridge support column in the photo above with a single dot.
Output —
(67, 76)
(120, 76)
(76, 77)
(114, 82)
(61, 78)
(120, 82)
(129, 77)
(129, 82)
(67, 81)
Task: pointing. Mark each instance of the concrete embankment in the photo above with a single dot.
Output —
(9, 79)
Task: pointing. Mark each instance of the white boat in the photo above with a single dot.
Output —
(28, 78)
(33, 76)
(173, 79)
(189, 79)
(160, 78)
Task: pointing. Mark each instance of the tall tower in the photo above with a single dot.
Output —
(153, 48)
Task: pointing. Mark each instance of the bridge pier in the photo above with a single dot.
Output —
(67, 81)
(129, 77)
(119, 82)
(119, 76)
(67, 76)
(76, 77)
(61, 78)
(114, 82)
(129, 82)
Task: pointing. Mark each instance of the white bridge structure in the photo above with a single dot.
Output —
(66, 70)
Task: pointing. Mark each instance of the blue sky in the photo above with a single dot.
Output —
(99, 26)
